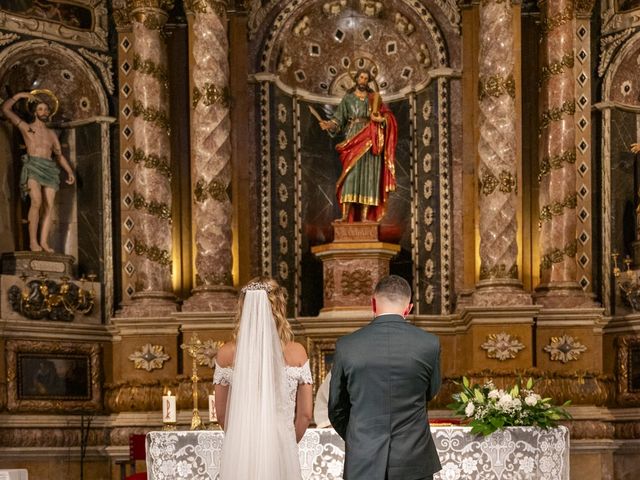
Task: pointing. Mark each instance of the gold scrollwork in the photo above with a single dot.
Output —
(565, 16)
(498, 271)
(211, 95)
(584, 7)
(555, 114)
(150, 114)
(153, 253)
(506, 182)
(329, 285)
(564, 349)
(556, 162)
(216, 189)
(495, 86)
(149, 67)
(152, 161)
(156, 209)
(558, 255)
(200, 6)
(556, 68)
(165, 5)
(557, 208)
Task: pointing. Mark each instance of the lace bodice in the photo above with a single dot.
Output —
(295, 377)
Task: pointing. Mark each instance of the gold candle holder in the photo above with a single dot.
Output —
(193, 348)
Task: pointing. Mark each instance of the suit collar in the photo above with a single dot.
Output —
(388, 317)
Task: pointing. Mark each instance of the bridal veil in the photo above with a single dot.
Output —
(259, 439)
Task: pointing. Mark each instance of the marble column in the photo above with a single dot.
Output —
(152, 231)
(497, 169)
(210, 157)
(557, 154)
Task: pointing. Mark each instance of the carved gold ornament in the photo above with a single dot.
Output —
(557, 208)
(153, 253)
(153, 161)
(557, 255)
(150, 357)
(564, 349)
(556, 162)
(206, 356)
(557, 68)
(502, 346)
(506, 182)
(565, 16)
(157, 209)
(555, 114)
(495, 86)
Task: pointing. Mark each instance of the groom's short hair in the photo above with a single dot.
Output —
(394, 288)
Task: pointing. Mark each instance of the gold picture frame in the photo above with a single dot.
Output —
(628, 369)
(53, 376)
(321, 358)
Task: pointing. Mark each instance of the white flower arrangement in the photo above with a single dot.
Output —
(487, 408)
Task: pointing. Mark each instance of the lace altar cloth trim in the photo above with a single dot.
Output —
(519, 453)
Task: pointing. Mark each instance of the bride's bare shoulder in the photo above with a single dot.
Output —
(226, 353)
(295, 354)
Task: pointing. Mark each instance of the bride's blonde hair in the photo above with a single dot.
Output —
(277, 298)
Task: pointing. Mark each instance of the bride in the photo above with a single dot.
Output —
(263, 389)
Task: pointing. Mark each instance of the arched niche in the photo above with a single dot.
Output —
(35, 64)
(307, 56)
(620, 109)
(82, 212)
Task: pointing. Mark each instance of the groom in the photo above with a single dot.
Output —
(382, 377)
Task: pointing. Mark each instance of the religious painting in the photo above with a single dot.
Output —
(79, 22)
(628, 369)
(63, 12)
(43, 376)
(53, 376)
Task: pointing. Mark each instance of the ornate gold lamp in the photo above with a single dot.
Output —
(627, 281)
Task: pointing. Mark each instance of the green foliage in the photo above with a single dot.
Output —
(487, 408)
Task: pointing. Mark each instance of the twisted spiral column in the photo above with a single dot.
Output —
(557, 152)
(497, 159)
(210, 157)
(152, 174)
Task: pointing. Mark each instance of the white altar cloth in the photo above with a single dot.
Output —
(518, 453)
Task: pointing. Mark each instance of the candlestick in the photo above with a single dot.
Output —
(169, 410)
(212, 409)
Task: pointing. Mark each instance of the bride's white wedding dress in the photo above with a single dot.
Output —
(260, 441)
(295, 376)
(285, 462)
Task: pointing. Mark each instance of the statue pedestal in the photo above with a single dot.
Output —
(352, 265)
(33, 264)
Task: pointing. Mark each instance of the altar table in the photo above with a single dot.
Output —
(518, 453)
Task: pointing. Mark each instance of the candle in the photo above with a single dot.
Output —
(212, 408)
(169, 408)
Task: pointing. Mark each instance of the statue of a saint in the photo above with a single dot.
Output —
(368, 152)
(40, 176)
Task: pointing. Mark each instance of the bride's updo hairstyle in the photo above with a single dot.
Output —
(277, 298)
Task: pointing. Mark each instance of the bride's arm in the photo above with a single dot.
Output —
(224, 359)
(304, 409)
(221, 392)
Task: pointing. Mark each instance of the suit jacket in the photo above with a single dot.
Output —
(381, 379)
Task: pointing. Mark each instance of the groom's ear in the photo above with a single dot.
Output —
(407, 310)
(373, 304)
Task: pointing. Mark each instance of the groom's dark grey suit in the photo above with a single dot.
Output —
(382, 377)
